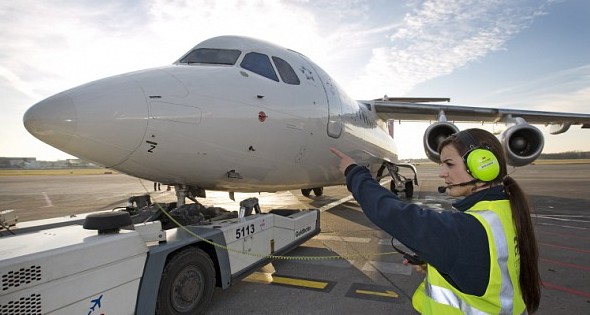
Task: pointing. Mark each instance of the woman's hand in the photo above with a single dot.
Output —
(345, 160)
(418, 268)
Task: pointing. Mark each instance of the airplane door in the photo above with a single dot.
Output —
(334, 127)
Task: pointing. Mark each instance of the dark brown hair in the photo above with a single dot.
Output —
(521, 214)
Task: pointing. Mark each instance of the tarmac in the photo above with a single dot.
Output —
(368, 276)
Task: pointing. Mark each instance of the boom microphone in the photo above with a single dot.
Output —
(442, 189)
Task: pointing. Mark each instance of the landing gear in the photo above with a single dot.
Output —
(408, 188)
(190, 192)
(398, 181)
(318, 191)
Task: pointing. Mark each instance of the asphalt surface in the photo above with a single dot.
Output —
(368, 277)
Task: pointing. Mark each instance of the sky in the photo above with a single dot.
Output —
(524, 54)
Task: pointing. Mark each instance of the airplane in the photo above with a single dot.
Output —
(239, 114)
(96, 302)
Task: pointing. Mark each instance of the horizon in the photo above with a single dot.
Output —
(405, 158)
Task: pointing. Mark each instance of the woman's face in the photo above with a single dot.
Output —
(453, 171)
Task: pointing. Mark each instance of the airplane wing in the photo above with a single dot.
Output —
(411, 111)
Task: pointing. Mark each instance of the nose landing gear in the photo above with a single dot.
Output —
(399, 182)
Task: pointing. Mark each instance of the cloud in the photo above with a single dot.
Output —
(562, 91)
(440, 36)
(17, 83)
(52, 45)
(49, 46)
(193, 21)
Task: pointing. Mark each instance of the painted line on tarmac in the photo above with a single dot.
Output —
(563, 235)
(373, 292)
(558, 217)
(335, 203)
(563, 226)
(552, 286)
(387, 293)
(47, 200)
(568, 265)
(323, 237)
(566, 247)
(301, 283)
(388, 267)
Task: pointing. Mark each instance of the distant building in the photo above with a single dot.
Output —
(32, 163)
(18, 162)
(78, 163)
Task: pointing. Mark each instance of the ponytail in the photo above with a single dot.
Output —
(527, 245)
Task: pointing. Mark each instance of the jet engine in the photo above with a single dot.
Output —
(434, 135)
(523, 144)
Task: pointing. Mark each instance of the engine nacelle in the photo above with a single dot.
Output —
(434, 135)
(523, 144)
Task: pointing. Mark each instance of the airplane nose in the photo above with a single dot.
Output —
(53, 120)
(102, 121)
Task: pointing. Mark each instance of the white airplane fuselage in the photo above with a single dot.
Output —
(217, 126)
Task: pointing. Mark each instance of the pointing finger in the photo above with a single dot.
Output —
(337, 152)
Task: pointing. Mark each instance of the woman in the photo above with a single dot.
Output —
(481, 259)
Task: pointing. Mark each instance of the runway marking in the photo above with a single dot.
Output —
(335, 203)
(563, 226)
(562, 235)
(323, 237)
(556, 217)
(302, 283)
(387, 293)
(47, 200)
(336, 263)
(552, 286)
(564, 264)
(388, 267)
(373, 292)
(568, 248)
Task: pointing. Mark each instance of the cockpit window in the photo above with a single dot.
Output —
(260, 64)
(212, 56)
(286, 72)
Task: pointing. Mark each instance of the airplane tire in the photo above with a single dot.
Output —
(392, 187)
(318, 191)
(187, 283)
(409, 189)
(306, 192)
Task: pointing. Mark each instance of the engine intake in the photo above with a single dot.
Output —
(523, 144)
(434, 135)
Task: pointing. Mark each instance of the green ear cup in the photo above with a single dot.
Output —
(483, 165)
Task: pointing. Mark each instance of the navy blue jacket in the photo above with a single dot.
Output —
(455, 243)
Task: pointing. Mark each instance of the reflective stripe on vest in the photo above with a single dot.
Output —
(448, 297)
(506, 289)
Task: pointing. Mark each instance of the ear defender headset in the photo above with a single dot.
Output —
(482, 164)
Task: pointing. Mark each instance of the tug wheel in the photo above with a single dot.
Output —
(187, 283)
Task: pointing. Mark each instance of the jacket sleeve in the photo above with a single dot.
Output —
(437, 237)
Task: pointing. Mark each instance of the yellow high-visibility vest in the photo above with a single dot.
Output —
(502, 295)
